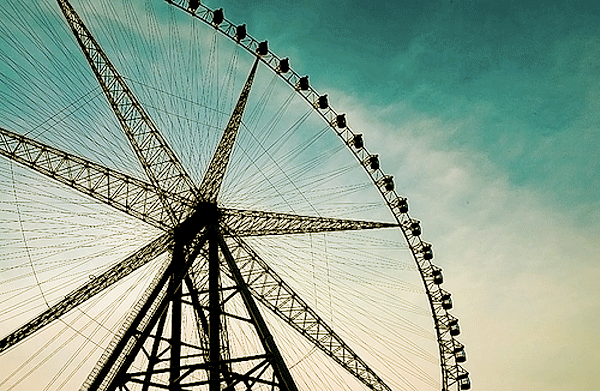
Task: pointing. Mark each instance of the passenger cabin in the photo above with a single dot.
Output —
(373, 162)
(454, 327)
(240, 32)
(460, 354)
(263, 48)
(218, 17)
(322, 102)
(438, 277)
(446, 301)
(463, 380)
(415, 228)
(388, 183)
(303, 83)
(357, 141)
(427, 252)
(284, 65)
(193, 5)
(401, 204)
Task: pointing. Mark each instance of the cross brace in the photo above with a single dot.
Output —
(159, 162)
(279, 297)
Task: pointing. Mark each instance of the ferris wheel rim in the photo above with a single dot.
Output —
(451, 351)
(382, 182)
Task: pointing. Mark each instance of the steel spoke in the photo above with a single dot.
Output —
(279, 297)
(213, 178)
(159, 162)
(123, 192)
(259, 223)
(82, 294)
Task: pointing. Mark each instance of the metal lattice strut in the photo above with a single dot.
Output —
(160, 163)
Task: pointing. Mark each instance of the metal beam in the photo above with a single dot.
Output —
(214, 310)
(213, 178)
(153, 358)
(80, 295)
(157, 159)
(141, 200)
(201, 320)
(176, 307)
(268, 288)
(286, 382)
(127, 194)
(259, 223)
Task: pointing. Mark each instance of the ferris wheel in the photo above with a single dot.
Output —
(217, 225)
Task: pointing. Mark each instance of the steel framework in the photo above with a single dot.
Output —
(210, 262)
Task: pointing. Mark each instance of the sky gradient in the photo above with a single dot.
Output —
(487, 115)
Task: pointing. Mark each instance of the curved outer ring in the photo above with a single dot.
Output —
(451, 370)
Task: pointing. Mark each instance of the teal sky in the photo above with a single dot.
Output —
(487, 114)
(534, 66)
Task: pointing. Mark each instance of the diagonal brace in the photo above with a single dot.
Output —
(279, 297)
(259, 223)
(160, 163)
(213, 178)
(281, 370)
(89, 290)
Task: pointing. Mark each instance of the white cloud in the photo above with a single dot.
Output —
(523, 274)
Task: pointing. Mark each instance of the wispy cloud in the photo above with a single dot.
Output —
(522, 269)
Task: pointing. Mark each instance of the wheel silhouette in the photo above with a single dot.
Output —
(216, 225)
